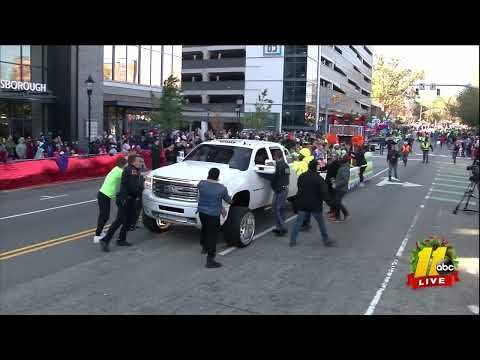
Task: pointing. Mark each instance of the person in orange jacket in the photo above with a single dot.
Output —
(405, 150)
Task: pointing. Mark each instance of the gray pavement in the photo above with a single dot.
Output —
(165, 274)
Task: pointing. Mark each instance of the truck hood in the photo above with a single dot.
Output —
(195, 171)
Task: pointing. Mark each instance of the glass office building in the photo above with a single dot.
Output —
(131, 73)
(42, 88)
(22, 113)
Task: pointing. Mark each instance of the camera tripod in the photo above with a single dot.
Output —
(468, 194)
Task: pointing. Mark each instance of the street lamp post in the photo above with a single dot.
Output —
(89, 84)
(237, 111)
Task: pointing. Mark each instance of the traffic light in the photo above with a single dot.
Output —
(438, 92)
(417, 92)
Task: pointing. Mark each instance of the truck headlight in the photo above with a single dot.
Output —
(148, 182)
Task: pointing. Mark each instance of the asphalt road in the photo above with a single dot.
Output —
(49, 265)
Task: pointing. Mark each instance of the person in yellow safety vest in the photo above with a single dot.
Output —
(301, 165)
(425, 146)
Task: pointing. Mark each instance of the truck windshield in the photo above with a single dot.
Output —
(235, 157)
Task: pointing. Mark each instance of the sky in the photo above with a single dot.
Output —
(442, 64)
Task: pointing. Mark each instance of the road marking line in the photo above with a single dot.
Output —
(473, 309)
(46, 197)
(226, 251)
(443, 179)
(380, 172)
(448, 185)
(451, 176)
(451, 200)
(448, 192)
(49, 209)
(391, 270)
(48, 243)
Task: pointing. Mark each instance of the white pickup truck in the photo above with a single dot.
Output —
(171, 192)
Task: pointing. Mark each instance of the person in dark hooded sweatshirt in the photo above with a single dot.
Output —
(312, 192)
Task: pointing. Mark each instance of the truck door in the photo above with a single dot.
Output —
(261, 194)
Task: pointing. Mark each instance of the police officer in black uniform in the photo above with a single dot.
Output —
(131, 188)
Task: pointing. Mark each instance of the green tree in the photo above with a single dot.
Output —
(467, 108)
(451, 108)
(169, 106)
(391, 82)
(257, 119)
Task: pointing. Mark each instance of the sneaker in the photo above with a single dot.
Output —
(292, 244)
(346, 218)
(204, 250)
(212, 264)
(335, 220)
(96, 238)
(276, 231)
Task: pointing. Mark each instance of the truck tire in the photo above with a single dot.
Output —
(239, 228)
(155, 225)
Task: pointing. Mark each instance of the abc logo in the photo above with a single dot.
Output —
(445, 267)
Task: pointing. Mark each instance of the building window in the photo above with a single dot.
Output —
(366, 93)
(337, 49)
(367, 64)
(367, 79)
(145, 61)
(356, 102)
(156, 68)
(22, 63)
(326, 62)
(337, 89)
(367, 50)
(325, 83)
(107, 62)
(120, 73)
(313, 52)
(301, 50)
(10, 71)
(167, 65)
(340, 71)
(132, 64)
(364, 107)
(354, 84)
(356, 69)
(177, 67)
(10, 54)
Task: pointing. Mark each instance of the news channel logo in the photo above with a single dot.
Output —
(433, 262)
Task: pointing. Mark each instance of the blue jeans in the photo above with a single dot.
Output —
(300, 219)
(392, 168)
(278, 207)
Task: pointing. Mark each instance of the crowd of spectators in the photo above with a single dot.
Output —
(43, 147)
(166, 147)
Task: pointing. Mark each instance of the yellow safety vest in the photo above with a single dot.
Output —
(425, 146)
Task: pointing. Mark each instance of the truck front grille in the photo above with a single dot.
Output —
(175, 189)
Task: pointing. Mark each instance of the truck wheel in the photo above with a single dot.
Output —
(240, 226)
(154, 225)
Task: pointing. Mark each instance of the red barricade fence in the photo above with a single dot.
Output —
(22, 174)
